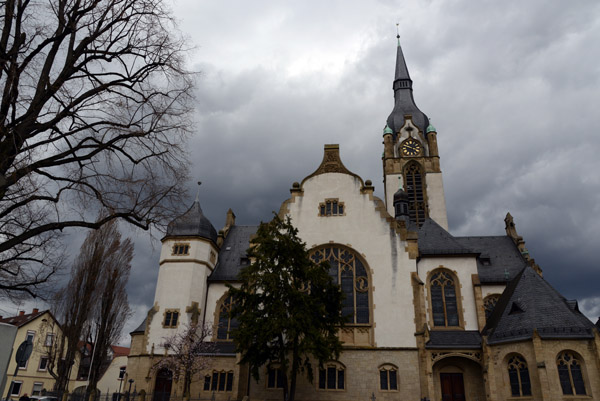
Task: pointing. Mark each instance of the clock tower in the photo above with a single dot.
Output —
(410, 159)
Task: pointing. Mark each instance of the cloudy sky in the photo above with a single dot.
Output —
(512, 87)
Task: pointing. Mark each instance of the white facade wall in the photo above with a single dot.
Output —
(436, 199)
(363, 229)
(463, 268)
(393, 182)
(182, 279)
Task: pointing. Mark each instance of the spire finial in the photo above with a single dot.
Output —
(398, 32)
(198, 192)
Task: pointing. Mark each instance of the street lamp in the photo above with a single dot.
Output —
(129, 391)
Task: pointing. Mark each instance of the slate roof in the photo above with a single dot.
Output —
(434, 240)
(193, 223)
(454, 339)
(529, 303)
(232, 255)
(404, 102)
(497, 255)
(141, 328)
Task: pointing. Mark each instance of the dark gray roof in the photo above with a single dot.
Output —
(434, 240)
(529, 303)
(403, 99)
(453, 339)
(497, 255)
(141, 328)
(232, 255)
(192, 223)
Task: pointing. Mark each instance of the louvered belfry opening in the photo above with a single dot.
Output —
(413, 182)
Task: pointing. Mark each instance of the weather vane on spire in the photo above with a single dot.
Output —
(398, 30)
(198, 192)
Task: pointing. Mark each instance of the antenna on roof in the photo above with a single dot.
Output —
(198, 193)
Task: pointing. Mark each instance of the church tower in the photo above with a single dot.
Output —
(188, 256)
(410, 159)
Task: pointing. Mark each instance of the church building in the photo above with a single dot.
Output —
(433, 316)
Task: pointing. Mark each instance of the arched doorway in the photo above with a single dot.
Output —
(458, 378)
(162, 386)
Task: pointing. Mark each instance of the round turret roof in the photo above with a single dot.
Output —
(192, 223)
(431, 128)
(400, 196)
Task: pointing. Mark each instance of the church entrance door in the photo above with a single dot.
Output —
(453, 388)
(162, 386)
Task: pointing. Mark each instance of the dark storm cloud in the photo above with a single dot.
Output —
(512, 88)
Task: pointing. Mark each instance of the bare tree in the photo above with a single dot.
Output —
(188, 353)
(94, 300)
(94, 110)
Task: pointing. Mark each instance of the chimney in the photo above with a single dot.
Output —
(35, 310)
(21, 313)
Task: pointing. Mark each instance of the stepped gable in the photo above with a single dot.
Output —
(454, 339)
(232, 256)
(529, 303)
(498, 257)
(434, 240)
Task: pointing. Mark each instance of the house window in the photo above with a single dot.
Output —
(489, 303)
(518, 375)
(570, 374)
(43, 363)
(49, 340)
(226, 323)
(37, 388)
(181, 249)
(443, 299)
(388, 378)
(413, 181)
(348, 270)
(122, 371)
(219, 381)
(171, 318)
(16, 388)
(275, 377)
(332, 377)
(331, 207)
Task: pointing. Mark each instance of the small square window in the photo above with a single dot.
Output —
(37, 388)
(49, 340)
(171, 318)
(43, 363)
(181, 249)
(16, 388)
(331, 207)
(122, 371)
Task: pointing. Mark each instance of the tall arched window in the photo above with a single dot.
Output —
(225, 323)
(444, 305)
(415, 188)
(489, 303)
(570, 373)
(518, 374)
(350, 273)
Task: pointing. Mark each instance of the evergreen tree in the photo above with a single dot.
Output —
(288, 308)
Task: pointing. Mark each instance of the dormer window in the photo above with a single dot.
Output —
(331, 207)
(181, 249)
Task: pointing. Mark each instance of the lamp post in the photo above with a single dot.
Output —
(129, 391)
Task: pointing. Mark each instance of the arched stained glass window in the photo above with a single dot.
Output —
(347, 270)
(443, 299)
(489, 303)
(415, 188)
(518, 374)
(570, 374)
(226, 324)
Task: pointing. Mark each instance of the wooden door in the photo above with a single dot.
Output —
(453, 388)
(162, 387)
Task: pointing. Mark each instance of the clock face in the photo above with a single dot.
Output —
(410, 147)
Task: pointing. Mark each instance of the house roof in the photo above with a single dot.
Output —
(529, 303)
(498, 256)
(232, 256)
(119, 351)
(192, 223)
(21, 320)
(453, 339)
(141, 328)
(434, 240)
